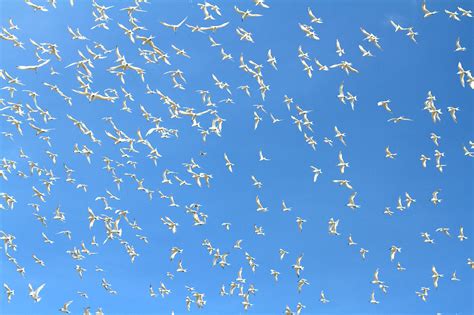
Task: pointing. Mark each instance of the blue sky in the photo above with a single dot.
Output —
(402, 71)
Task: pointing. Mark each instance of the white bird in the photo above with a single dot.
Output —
(307, 68)
(76, 34)
(444, 230)
(393, 251)
(339, 49)
(257, 119)
(282, 253)
(174, 27)
(226, 225)
(299, 222)
(256, 182)
(458, 45)
(343, 182)
(467, 152)
(452, 112)
(409, 200)
(228, 163)
(321, 67)
(400, 267)
(284, 207)
(180, 267)
(462, 73)
(34, 67)
(213, 42)
(316, 171)
(350, 241)
(34, 293)
(274, 119)
(342, 164)
(376, 277)
(297, 266)
(313, 18)
(9, 292)
(435, 138)
(454, 277)
(274, 274)
(424, 159)
(464, 12)
(396, 120)
(372, 298)
(436, 276)
(452, 15)
(261, 3)
(434, 199)
(397, 27)
(365, 52)
(245, 14)
(426, 12)
(180, 52)
(36, 7)
(322, 298)
(260, 207)
(271, 59)
(385, 105)
(461, 235)
(389, 154)
(351, 203)
(65, 308)
(225, 56)
(46, 239)
(262, 157)
(340, 135)
(302, 54)
(371, 38)
(12, 25)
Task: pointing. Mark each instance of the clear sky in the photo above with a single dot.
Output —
(402, 71)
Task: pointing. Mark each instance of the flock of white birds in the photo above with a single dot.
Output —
(108, 222)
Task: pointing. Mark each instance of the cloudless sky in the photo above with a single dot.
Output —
(402, 71)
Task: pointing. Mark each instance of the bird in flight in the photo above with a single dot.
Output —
(114, 127)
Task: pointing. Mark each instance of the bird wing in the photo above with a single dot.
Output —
(364, 32)
(238, 10)
(394, 24)
(221, 25)
(166, 24)
(341, 159)
(423, 7)
(181, 23)
(38, 290)
(259, 204)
